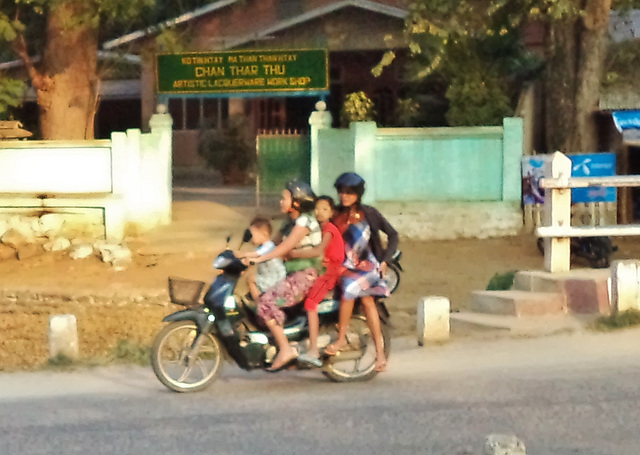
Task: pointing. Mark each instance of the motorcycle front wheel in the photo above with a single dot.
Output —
(185, 360)
(357, 361)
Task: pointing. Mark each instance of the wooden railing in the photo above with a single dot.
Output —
(557, 230)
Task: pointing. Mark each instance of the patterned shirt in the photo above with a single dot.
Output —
(269, 272)
(314, 237)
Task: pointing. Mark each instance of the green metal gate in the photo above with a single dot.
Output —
(281, 157)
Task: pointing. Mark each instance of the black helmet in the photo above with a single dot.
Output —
(302, 194)
(350, 181)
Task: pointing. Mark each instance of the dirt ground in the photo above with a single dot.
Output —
(115, 306)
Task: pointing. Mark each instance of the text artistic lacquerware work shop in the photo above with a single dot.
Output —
(243, 71)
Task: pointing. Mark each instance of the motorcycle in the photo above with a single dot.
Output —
(596, 250)
(392, 278)
(188, 353)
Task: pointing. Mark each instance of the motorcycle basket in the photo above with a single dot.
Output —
(185, 292)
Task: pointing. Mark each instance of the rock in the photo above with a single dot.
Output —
(120, 264)
(29, 250)
(58, 244)
(23, 226)
(503, 444)
(81, 251)
(7, 252)
(13, 238)
(113, 252)
(50, 224)
(4, 225)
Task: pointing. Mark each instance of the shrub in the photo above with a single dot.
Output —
(229, 150)
(618, 320)
(357, 107)
(127, 351)
(501, 281)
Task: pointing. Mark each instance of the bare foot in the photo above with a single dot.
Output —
(335, 347)
(282, 359)
(381, 365)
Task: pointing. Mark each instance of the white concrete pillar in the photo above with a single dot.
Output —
(503, 444)
(161, 125)
(625, 285)
(318, 120)
(433, 319)
(63, 336)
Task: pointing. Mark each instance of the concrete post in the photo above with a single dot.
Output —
(161, 126)
(625, 285)
(433, 319)
(63, 336)
(557, 213)
(318, 120)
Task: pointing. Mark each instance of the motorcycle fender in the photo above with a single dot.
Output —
(188, 314)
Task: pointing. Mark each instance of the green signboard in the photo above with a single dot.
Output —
(250, 71)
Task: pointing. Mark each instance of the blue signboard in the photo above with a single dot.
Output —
(593, 165)
(583, 165)
(626, 120)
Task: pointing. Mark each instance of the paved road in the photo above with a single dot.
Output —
(568, 394)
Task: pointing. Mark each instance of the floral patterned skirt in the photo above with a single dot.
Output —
(285, 294)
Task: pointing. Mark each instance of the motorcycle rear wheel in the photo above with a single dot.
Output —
(357, 362)
(392, 278)
(180, 367)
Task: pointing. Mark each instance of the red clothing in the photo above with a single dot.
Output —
(333, 259)
(334, 252)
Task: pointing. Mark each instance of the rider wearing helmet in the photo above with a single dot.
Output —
(352, 183)
(302, 196)
(301, 231)
(365, 261)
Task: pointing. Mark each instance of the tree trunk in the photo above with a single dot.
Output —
(68, 101)
(575, 52)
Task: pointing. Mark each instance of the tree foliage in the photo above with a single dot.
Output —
(58, 40)
(476, 46)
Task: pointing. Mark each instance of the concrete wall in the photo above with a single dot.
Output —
(127, 179)
(432, 183)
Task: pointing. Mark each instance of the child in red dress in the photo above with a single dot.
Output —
(333, 248)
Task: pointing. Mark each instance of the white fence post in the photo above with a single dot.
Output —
(557, 213)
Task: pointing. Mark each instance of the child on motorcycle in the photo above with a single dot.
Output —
(332, 247)
(268, 273)
(301, 232)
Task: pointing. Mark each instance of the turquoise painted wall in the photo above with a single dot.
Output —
(438, 166)
(426, 164)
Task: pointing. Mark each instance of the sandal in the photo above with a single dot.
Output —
(331, 350)
(381, 367)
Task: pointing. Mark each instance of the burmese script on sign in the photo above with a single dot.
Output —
(246, 71)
